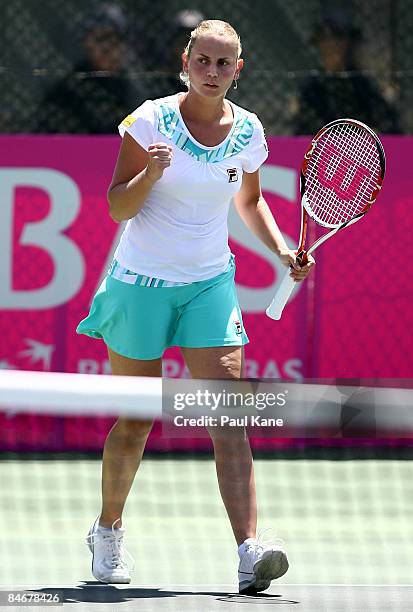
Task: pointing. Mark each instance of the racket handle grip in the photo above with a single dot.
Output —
(275, 309)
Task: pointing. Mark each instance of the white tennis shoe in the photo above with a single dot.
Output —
(108, 560)
(259, 563)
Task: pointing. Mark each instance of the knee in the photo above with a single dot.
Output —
(132, 431)
(230, 366)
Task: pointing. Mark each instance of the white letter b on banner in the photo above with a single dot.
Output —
(47, 234)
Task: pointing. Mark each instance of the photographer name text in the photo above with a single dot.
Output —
(225, 420)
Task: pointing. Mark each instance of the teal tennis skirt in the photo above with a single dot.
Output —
(139, 317)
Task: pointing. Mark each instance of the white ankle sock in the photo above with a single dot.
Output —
(245, 543)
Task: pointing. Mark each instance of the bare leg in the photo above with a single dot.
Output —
(236, 481)
(124, 444)
(233, 458)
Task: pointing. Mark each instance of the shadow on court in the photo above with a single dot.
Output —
(185, 598)
(98, 593)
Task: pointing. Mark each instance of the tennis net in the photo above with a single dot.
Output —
(336, 487)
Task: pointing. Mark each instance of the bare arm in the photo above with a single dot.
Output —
(135, 173)
(255, 212)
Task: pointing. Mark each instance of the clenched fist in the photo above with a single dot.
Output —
(160, 157)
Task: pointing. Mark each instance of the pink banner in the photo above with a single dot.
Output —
(350, 320)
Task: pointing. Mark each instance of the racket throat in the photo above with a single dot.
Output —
(302, 258)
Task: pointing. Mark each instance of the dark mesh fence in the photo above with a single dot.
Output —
(65, 68)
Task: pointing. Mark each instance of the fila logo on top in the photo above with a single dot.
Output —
(232, 175)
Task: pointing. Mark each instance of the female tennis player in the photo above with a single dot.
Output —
(182, 159)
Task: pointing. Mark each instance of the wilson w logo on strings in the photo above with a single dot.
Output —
(338, 178)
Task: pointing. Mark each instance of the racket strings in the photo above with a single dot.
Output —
(341, 146)
(330, 207)
(342, 174)
(368, 159)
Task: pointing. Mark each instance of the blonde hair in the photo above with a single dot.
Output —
(210, 26)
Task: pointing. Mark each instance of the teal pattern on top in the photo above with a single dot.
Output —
(170, 125)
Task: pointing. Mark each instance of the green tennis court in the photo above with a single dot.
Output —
(346, 523)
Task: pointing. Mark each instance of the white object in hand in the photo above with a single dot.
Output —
(275, 309)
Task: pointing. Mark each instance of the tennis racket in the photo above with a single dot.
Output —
(341, 176)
